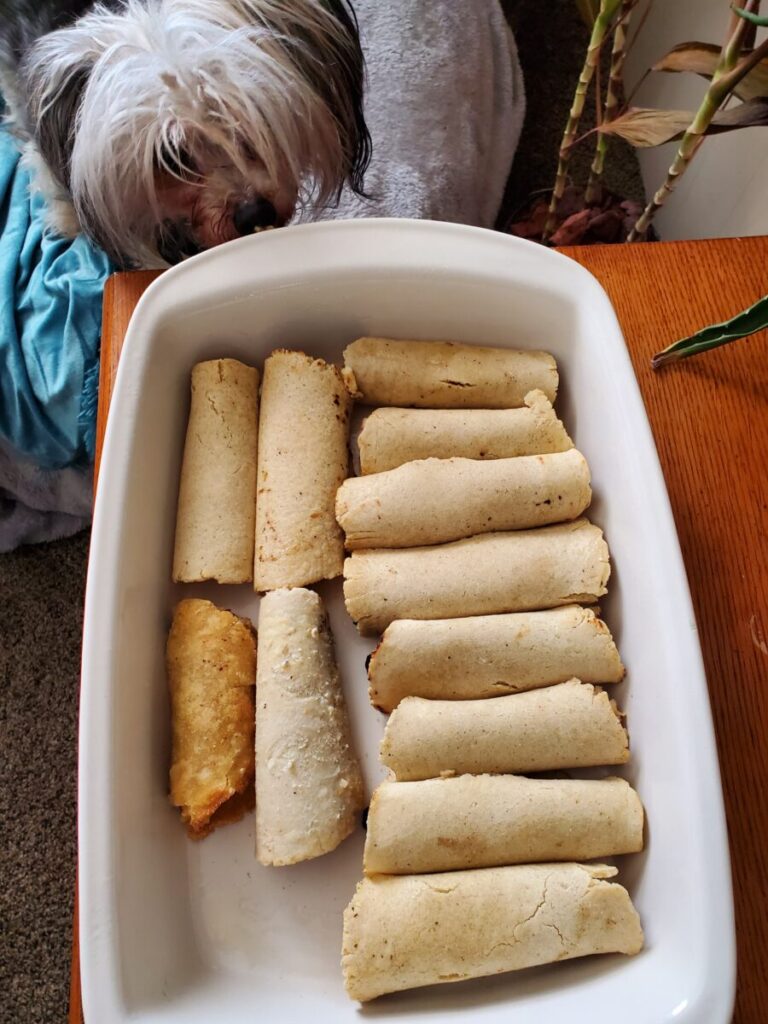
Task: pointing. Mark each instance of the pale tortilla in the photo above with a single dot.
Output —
(309, 789)
(437, 500)
(217, 492)
(477, 821)
(571, 725)
(445, 375)
(303, 457)
(496, 572)
(407, 931)
(390, 437)
(491, 655)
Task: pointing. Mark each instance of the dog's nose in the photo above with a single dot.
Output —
(252, 214)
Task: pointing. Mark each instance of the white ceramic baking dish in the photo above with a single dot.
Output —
(199, 933)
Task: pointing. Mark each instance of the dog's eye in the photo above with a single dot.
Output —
(247, 150)
(178, 163)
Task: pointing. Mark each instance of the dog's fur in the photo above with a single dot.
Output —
(163, 127)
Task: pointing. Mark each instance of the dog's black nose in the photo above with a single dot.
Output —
(252, 214)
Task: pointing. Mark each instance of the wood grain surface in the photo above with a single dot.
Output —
(121, 293)
(710, 419)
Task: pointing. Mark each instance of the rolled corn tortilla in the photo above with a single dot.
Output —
(217, 492)
(495, 572)
(437, 500)
(390, 437)
(491, 655)
(478, 821)
(211, 665)
(407, 931)
(570, 725)
(445, 375)
(309, 789)
(303, 457)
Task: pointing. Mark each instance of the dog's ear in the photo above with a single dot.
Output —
(52, 70)
(334, 67)
(54, 93)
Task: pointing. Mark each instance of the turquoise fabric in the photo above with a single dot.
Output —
(50, 325)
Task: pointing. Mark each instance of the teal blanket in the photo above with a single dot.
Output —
(50, 323)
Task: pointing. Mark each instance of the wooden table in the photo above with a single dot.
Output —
(710, 419)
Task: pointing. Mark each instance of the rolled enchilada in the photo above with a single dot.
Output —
(477, 821)
(401, 932)
(437, 500)
(211, 666)
(390, 436)
(302, 459)
(309, 789)
(491, 655)
(495, 572)
(217, 493)
(571, 725)
(445, 375)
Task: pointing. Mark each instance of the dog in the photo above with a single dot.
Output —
(160, 128)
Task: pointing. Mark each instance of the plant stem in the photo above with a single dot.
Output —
(600, 29)
(723, 83)
(612, 93)
(737, 32)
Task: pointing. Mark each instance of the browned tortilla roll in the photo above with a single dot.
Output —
(478, 821)
(495, 572)
(445, 375)
(217, 493)
(407, 931)
(491, 655)
(303, 457)
(308, 784)
(211, 664)
(390, 437)
(571, 725)
(438, 500)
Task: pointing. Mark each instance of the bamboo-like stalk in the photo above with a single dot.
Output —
(612, 93)
(600, 30)
(729, 73)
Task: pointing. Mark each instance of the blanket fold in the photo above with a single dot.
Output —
(50, 324)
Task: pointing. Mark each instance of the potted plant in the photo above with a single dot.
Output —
(571, 213)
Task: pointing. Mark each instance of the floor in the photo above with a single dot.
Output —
(41, 599)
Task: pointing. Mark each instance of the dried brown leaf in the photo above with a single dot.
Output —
(702, 58)
(752, 114)
(643, 127)
(573, 228)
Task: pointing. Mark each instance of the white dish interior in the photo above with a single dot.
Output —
(173, 930)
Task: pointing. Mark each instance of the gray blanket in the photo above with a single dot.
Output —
(444, 105)
(41, 504)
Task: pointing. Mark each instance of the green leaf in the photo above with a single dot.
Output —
(643, 127)
(749, 321)
(756, 19)
(702, 59)
(588, 10)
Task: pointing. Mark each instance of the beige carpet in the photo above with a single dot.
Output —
(41, 598)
